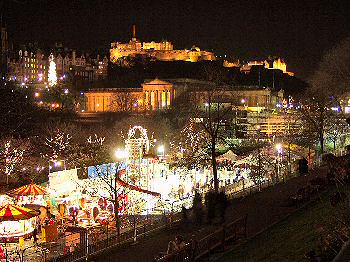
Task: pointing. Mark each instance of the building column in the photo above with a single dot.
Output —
(168, 96)
(155, 100)
(159, 99)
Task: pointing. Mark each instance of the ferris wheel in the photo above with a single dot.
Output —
(137, 144)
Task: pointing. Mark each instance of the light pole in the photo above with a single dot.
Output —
(258, 128)
(161, 151)
(120, 155)
(279, 159)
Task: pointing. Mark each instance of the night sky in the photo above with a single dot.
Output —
(299, 31)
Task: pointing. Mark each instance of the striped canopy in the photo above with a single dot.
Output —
(28, 190)
(14, 213)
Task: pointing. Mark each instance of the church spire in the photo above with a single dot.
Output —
(133, 32)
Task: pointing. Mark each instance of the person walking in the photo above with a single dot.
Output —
(35, 235)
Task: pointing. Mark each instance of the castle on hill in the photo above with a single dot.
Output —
(162, 51)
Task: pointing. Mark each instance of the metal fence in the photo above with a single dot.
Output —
(60, 252)
(94, 246)
(195, 250)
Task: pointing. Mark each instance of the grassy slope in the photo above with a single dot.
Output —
(288, 240)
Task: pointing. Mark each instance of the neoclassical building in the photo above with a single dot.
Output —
(152, 96)
(158, 94)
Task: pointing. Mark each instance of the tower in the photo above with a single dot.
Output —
(133, 33)
(3, 50)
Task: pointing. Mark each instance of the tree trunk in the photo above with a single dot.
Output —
(321, 137)
(116, 208)
(214, 166)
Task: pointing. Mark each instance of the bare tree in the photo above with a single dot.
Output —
(319, 118)
(124, 101)
(328, 88)
(207, 126)
(11, 155)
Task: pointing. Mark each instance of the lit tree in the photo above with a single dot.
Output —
(10, 156)
(58, 144)
(92, 152)
(125, 101)
(52, 77)
(189, 148)
(211, 119)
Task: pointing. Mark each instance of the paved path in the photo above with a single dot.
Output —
(263, 209)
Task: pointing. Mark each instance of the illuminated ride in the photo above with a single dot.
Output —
(137, 144)
(30, 194)
(15, 222)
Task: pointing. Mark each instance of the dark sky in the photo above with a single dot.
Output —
(300, 31)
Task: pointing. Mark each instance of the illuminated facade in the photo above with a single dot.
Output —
(159, 95)
(281, 65)
(82, 66)
(163, 51)
(276, 64)
(33, 66)
(29, 66)
(252, 106)
(3, 50)
(154, 95)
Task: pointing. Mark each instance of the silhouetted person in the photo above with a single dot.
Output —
(303, 166)
(35, 235)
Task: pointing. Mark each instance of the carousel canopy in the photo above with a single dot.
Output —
(14, 213)
(229, 155)
(28, 190)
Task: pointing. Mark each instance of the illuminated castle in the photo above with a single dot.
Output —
(163, 51)
(277, 64)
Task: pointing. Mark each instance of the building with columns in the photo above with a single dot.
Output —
(252, 106)
(152, 96)
(159, 94)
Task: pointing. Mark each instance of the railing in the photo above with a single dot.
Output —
(195, 250)
(94, 248)
(229, 232)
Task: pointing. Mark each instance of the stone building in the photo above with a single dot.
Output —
(31, 64)
(3, 51)
(152, 96)
(253, 108)
(163, 51)
(160, 95)
(270, 63)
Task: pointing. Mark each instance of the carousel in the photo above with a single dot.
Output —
(16, 222)
(31, 196)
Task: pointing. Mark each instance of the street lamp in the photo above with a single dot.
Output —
(161, 150)
(121, 154)
(279, 148)
(243, 101)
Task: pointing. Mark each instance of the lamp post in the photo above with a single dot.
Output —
(161, 151)
(120, 155)
(258, 129)
(279, 159)
(243, 101)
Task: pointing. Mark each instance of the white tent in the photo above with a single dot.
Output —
(229, 155)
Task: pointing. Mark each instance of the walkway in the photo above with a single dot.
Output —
(263, 209)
